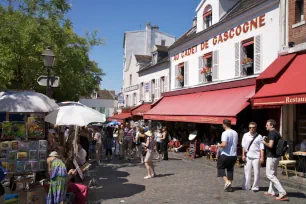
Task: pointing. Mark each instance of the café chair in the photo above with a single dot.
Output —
(285, 162)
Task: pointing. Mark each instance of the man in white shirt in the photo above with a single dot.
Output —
(228, 158)
(253, 155)
(98, 139)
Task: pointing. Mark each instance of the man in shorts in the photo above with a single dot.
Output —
(228, 155)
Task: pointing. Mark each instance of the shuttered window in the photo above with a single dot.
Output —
(237, 59)
(215, 68)
(257, 54)
(186, 74)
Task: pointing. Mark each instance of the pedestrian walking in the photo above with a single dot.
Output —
(128, 142)
(165, 141)
(228, 155)
(149, 145)
(98, 139)
(159, 144)
(253, 156)
(116, 139)
(108, 143)
(270, 143)
(140, 138)
(121, 141)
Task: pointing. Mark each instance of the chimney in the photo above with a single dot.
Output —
(194, 21)
(155, 27)
(148, 24)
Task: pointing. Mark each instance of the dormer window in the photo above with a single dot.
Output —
(154, 58)
(207, 17)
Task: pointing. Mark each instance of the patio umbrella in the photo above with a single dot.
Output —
(26, 102)
(113, 123)
(74, 115)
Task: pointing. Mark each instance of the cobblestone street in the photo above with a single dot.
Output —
(178, 181)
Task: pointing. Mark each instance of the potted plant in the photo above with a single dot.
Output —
(247, 65)
(207, 72)
(180, 78)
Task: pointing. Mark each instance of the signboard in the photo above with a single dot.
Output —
(120, 99)
(53, 81)
(147, 87)
(192, 149)
(131, 88)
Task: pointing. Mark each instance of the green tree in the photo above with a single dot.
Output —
(27, 28)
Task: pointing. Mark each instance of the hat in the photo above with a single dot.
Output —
(53, 154)
(193, 135)
(148, 133)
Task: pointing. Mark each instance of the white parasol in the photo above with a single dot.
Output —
(26, 102)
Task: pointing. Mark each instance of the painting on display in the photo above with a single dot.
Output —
(13, 130)
(20, 166)
(36, 127)
(33, 155)
(42, 165)
(43, 144)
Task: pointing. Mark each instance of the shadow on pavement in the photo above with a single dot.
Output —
(112, 185)
(163, 175)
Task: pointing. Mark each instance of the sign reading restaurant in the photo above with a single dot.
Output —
(230, 34)
(280, 100)
(131, 88)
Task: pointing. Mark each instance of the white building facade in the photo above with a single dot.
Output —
(138, 47)
(227, 44)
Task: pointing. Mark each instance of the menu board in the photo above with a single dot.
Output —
(192, 149)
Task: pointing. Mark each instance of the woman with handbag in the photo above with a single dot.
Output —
(148, 152)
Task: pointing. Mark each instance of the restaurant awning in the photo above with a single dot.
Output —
(142, 109)
(203, 107)
(120, 117)
(289, 88)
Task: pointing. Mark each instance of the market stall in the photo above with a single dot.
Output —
(23, 145)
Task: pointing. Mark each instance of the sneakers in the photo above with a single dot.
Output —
(147, 177)
(227, 186)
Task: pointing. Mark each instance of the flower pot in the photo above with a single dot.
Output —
(248, 68)
(209, 78)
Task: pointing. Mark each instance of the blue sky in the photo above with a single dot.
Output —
(113, 17)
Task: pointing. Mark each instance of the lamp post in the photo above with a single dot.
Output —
(48, 58)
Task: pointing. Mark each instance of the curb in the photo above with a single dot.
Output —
(239, 171)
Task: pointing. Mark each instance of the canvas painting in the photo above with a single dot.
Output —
(6, 145)
(27, 166)
(15, 145)
(4, 164)
(42, 155)
(33, 155)
(12, 156)
(22, 155)
(11, 166)
(20, 166)
(3, 154)
(34, 166)
(13, 130)
(33, 145)
(23, 146)
(42, 165)
(43, 144)
(36, 127)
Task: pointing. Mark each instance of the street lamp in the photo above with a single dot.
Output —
(48, 58)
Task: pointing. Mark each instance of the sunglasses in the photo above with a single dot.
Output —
(252, 127)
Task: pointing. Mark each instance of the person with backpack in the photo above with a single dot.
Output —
(253, 156)
(275, 147)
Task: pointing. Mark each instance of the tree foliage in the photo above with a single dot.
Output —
(27, 28)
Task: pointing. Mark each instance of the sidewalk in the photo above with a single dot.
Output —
(293, 181)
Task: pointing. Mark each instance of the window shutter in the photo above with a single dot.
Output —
(186, 69)
(257, 54)
(237, 59)
(176, 73)
(201, 65)
(215, 67)
(150, 91)
(156, 88)
(166, 84)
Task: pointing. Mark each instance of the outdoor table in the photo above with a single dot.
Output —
(301, 156)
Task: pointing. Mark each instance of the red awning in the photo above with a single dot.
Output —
(120, 117)
(142, 109)
(203, 107)
(290, 88)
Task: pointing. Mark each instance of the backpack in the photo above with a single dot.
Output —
(281, 147)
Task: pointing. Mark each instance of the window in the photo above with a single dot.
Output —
(141, 91)
(247, 54)
(134, 99)
(205, 69)
(127, 101)
(299, 11)
(154, 58)
(152, 89)
(130, 79)
(180, 74)
(163, 43)
(207, 17)
(162, 84)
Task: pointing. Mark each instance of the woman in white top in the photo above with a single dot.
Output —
(138, 140)
(149, 145)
